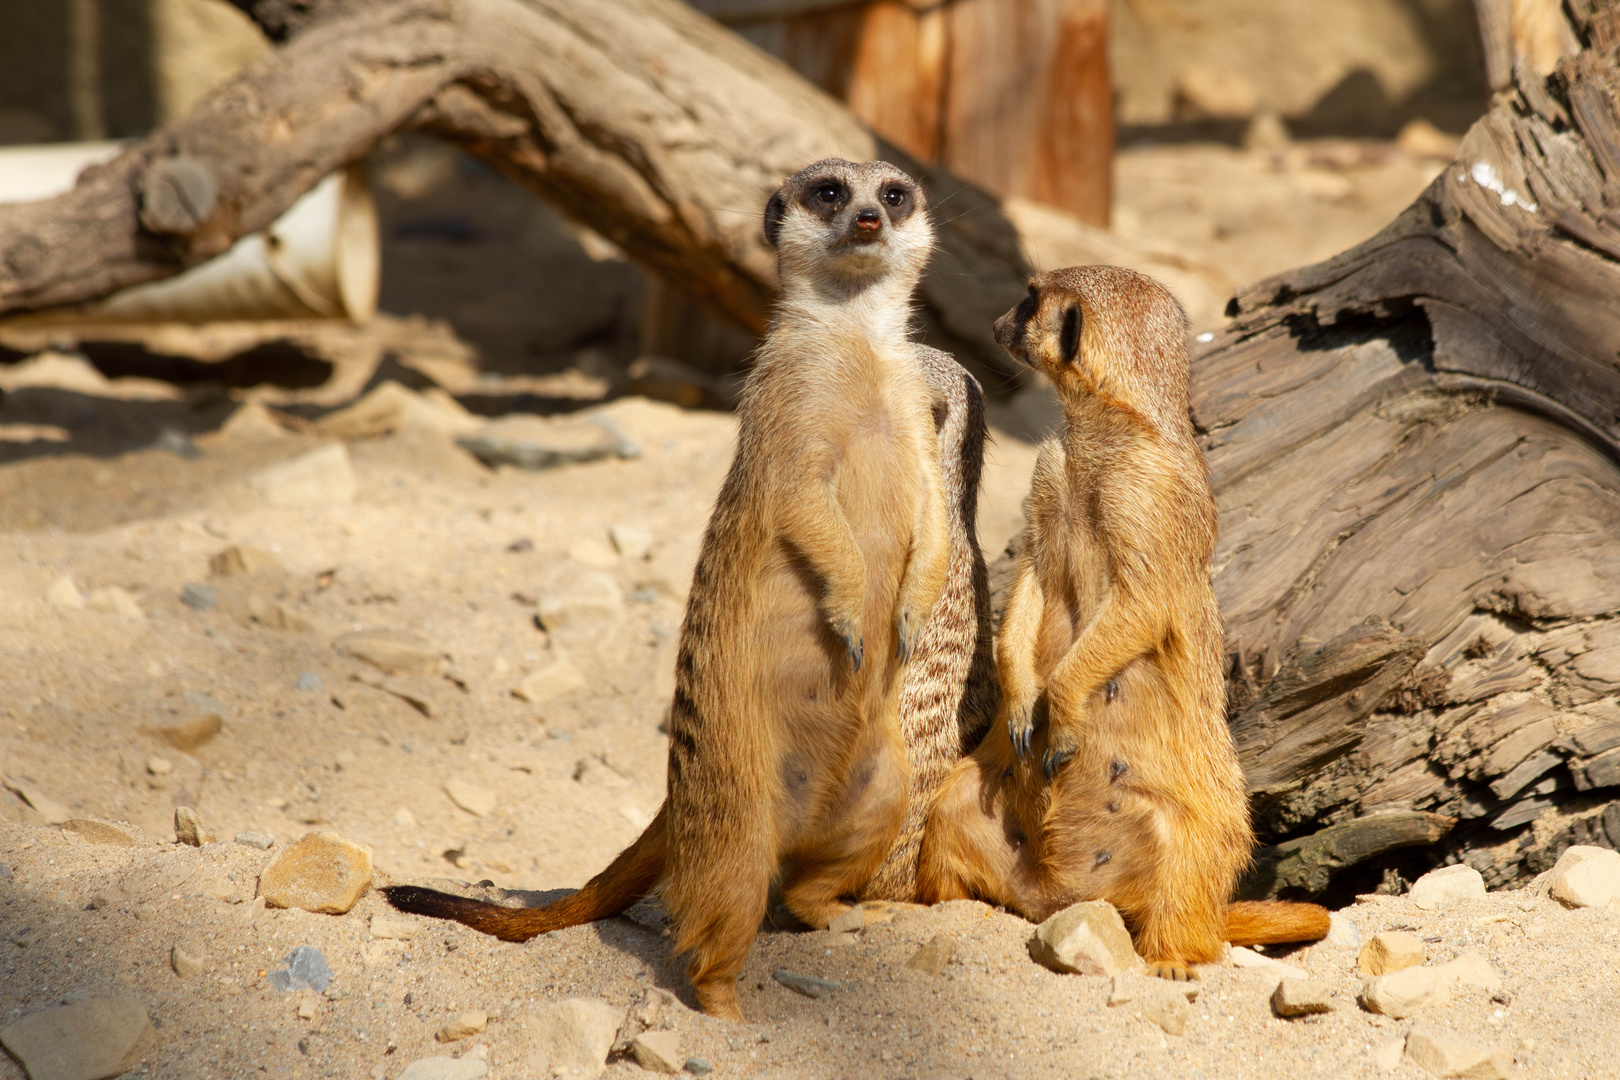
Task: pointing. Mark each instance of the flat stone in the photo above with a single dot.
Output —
(572, 1038)
(187, 958)
(262, 841)
(92, 1039)
(113, 600)
(159, 766)
(658, 1051)
(1253, 961)
(933, 956)
(552, 681)
(808, 985)
(1301, 997)
(64, 593)
(1403, 993)
(632, 543)
(321, 477)
(189, 829)
(462, 1025)
(1388, 1055)
(1446, 886)
(533, 443)
(853, 919)
(1441, 1053)
(1128, 987)
(1471, 969)
(577, 598)
(199, 719)
(594, 553)
(1342, 932)
(321, 872)
(199, 597)
(1591, 879)
(393, 651)
(445, 1068)
(393, 929)
(306, 970)
(699, 1066)
(240, 559)
(1392, 950)
(476, 800)
(1087, 939)
(1169, 1011)
(96, 831)
(54, 813)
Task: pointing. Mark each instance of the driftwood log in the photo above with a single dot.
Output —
(1415, 445)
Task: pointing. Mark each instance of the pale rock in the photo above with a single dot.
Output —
(1204, 92)
(1129, 986)
(306, 969)
(240, 559)
(321, 477)
(393, 651)
(462, 1025)
(262, 841)
(1087, 938)
(534, 443)
(159, 766)
(307, 1006)
(1471, 969)
(199, 719)
(64, 593)
(658, 1051)
(187, 958)
(404, 818)
(1388, 1055)
(446, 1068)
(1589, 880)
(393, 929)
(1301, 997)
(321, 872)
(593, 553)
(1342, 932)
(1446, 886)
(657, 1008)
(473, 798)
(1253, 961)
(1405, 992)
(90, 1039)
(1169, 1011)
(575, 598)
(932, 957)
(189, 829)
(96, 831)
(574, 1036)
(53, 812)
(113, 600)
(554, 680)
(853, 919)
(391, 408)
(252, 422)
(633, 544)
(1443, 1054)
(1390, 951)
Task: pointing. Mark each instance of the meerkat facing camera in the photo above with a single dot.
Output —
(1113, 632)
(825, 554)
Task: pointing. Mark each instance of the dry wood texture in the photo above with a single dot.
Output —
(1414, 445)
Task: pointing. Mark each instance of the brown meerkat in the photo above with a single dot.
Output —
(826, 552)
(1112, 635)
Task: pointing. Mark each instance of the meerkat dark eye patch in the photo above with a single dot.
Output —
(1025, 310)
(824, 197)
(1069, 338)
(899, 200)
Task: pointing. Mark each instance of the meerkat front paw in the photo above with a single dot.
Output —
(1062, 743)
(849, 632)
(1174, 970)
(1021, 726)
(908, 627)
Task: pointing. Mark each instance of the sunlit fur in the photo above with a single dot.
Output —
(1112, 637)
(825, 554)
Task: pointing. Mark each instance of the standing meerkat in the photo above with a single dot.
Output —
(1113, 634)
(826, 552)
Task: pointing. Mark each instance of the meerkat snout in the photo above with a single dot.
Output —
(1041, 335)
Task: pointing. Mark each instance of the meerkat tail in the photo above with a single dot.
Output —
(1274, 922)
(629, 878)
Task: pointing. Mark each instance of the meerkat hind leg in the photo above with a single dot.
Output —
(849, 848)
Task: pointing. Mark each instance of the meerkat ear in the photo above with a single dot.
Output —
(1069, 341)
(775, 211)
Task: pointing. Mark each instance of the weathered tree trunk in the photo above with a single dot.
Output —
(1415, 445)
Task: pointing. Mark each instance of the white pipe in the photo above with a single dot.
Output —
(319, 259)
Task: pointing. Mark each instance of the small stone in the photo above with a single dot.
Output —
(306, 970)
(262, 841)
(53, 812)
(322, 477)
(462, 1025)
(64, 593)
(932, 957)
(201, 718)
(1447, 885)
(572, 1038)
(808, 985)
(853, 919)
(1169, 1011)
(699, 1066)
(307, 1006)
(159, 766)
(658, 1051)
(321, 872)
(1301, 997)
(445, 1068)
(577, 599)
(199, 597)
(1087, 938)
(655, 1007)
(393, 651)
(1388, 1055)
(1590, 879)
(1390, 951)
(96, 831)
(1248, 958)
(114, 601)
(189, 829)
(393, 929)
(25, 937)
(556, 679)
(1440, 1053)
(240, 559)
(593, 553)
(632, 543)
(88, 1040)
(404, 818)
(533, 443)
(1128, 987)
(1471, 969)
(309, 681)
(187, 958)
(1342, 932)
(476, 800)
(1405, 992)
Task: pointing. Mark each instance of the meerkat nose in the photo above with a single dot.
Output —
(869, 220)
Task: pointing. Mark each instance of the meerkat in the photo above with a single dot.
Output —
(825, 554)
(1110, 655)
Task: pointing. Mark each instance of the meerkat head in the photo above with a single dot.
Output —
(1107, 332)
(840, 228)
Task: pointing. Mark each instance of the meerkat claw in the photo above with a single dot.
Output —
(1021, 727)
(1053, 760)
(857, 651)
